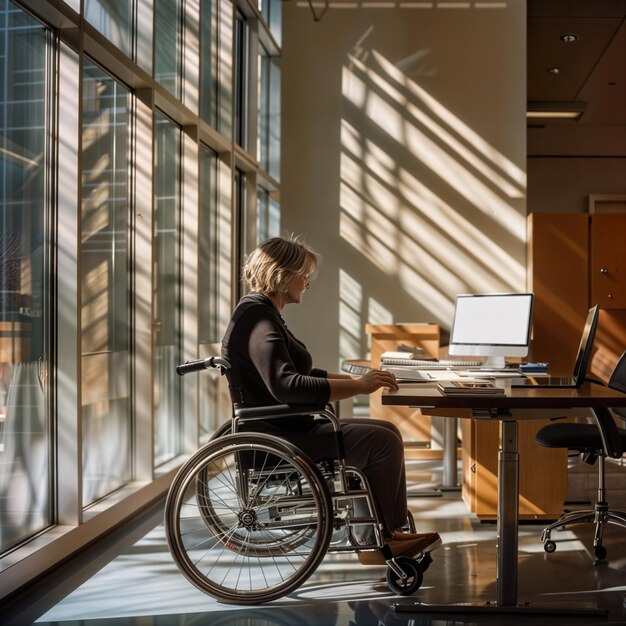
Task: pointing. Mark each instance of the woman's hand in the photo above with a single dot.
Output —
(376, 379)
(342, 386)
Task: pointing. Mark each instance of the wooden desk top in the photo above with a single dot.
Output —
(427, 395)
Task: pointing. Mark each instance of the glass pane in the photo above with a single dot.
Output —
(25, 478)
(241, 204)
(273, 141)
(263, 123)
(269, 114)
(114, 20)
(167, 388)
(167, 42)
(241, 46)
(271, 12)
(105, 285)
(268, 216)
(208, 62)
(208, 287)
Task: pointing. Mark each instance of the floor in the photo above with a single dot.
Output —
(142, 586)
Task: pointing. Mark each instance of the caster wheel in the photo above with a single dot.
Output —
(414, 576)
(600, 552)
(549, 546)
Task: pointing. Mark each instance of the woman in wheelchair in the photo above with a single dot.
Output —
(270, 366)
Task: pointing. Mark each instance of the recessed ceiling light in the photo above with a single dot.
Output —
(569, 37)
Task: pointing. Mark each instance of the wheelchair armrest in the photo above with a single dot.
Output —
(292, 410)
(278, 410)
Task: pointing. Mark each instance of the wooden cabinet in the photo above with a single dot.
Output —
(542, 471)
(558, 275)
(415, 427)
(567, 256)
(608, 260)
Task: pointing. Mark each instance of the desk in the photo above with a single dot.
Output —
(517, 404)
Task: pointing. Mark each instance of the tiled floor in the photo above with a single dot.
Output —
(143, 586)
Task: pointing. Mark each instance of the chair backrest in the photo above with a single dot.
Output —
(611, 438)
(618, 382)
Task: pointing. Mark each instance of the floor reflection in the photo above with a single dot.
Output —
(143, 587)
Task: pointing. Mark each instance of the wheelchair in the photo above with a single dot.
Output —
(249, 517)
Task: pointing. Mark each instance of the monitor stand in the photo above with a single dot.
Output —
(494, 363)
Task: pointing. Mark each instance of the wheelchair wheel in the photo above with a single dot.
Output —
(248, 518)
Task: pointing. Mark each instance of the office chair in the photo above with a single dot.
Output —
(595, 442)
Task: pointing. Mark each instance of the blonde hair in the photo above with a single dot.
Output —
(273, 263)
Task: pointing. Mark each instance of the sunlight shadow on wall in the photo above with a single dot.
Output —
(423, 196)
(350, 320)
(354, 312)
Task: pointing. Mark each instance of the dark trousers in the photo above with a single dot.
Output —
(373, 446)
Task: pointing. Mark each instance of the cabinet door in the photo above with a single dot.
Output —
(608, 260)
(559, 277)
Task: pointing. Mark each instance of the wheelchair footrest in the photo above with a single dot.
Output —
(425, 561)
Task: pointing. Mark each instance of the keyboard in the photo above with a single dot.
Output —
(433, 363)
(408, 373)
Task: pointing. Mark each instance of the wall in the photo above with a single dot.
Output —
(404, 151)
(563, 184)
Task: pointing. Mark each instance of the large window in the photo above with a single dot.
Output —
(105, 284)
(125, 214)
(167, 296)
(25, 434)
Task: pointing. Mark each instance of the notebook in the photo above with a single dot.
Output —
(580, 366)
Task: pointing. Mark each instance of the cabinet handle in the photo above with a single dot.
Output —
(603, 270)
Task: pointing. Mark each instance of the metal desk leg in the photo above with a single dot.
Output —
(508, 512)
(450, 473)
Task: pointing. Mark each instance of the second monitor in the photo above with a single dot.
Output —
(492, 325)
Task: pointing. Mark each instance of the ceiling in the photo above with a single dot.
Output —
(591, 69)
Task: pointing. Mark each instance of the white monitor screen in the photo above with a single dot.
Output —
(492, 325)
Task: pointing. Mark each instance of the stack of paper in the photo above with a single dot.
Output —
(469, 387)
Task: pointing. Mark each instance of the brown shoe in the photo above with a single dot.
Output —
(403, 544)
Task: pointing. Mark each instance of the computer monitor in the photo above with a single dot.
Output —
(492, 325)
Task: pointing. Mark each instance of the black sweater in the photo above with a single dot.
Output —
(269, 365)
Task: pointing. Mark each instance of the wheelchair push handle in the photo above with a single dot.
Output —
(211, 362)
